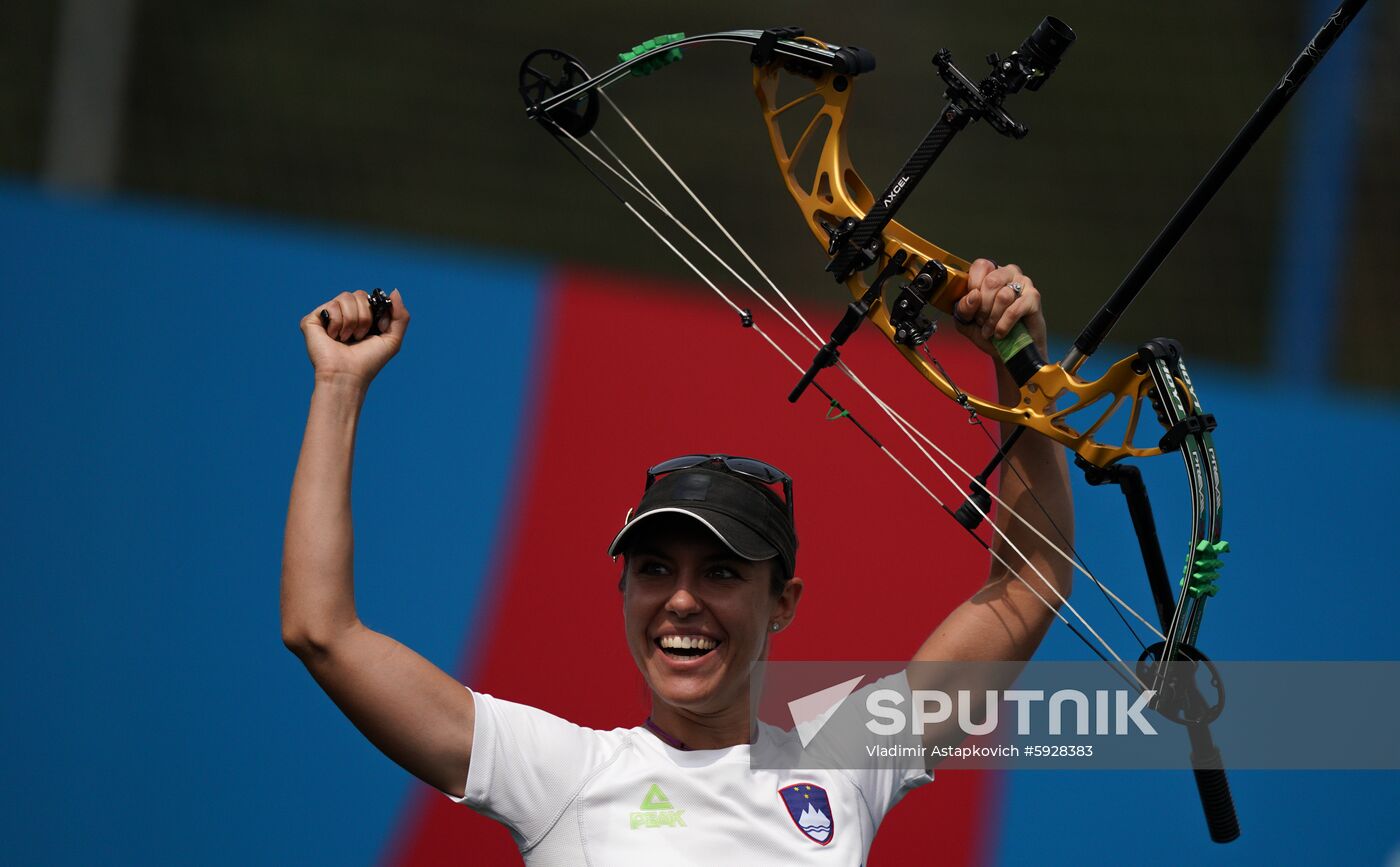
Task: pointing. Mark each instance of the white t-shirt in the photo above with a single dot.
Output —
(577, 796)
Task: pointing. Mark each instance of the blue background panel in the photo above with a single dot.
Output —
(156, 387)
(1310, 517)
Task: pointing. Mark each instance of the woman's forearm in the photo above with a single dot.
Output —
(318, 586)
(1036, 464)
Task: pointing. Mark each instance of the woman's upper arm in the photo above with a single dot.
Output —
(411, 710)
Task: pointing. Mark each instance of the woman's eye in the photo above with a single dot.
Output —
(652, 568)
(724, 572)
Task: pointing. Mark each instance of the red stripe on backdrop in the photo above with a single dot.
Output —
(638, 374)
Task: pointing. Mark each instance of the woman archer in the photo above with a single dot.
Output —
(708, 583)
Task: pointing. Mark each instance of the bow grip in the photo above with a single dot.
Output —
(1019, 353)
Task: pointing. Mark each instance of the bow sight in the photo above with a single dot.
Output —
(855, 244)
(1031, 64)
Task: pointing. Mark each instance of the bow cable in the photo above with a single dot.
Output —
(641, 188)
(655, 200)
(975, 419)
(911, 432)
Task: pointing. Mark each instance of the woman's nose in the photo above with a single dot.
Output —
(683, 601)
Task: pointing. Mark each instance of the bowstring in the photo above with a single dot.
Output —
(905, 427)
(634, 182)
(815, 340)
(1114, 601)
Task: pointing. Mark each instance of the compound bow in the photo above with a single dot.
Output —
(894, 276)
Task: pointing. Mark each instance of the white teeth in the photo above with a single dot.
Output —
(688, 642)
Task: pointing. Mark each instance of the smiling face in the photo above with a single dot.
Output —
(698, 615)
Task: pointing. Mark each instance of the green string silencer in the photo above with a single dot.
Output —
(652, 64)
(1201, 581)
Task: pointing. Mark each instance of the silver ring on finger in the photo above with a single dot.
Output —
(1016, 288)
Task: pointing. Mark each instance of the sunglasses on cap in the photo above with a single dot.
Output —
(747, 467)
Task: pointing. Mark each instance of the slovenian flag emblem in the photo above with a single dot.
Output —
(810, 809)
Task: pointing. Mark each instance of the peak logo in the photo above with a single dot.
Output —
(657, 812)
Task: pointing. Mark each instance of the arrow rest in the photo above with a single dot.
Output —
(911, 327)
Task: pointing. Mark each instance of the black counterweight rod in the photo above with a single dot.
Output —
(1094, 333)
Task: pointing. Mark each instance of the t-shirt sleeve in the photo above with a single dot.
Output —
(527, 765)
(885, 782)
